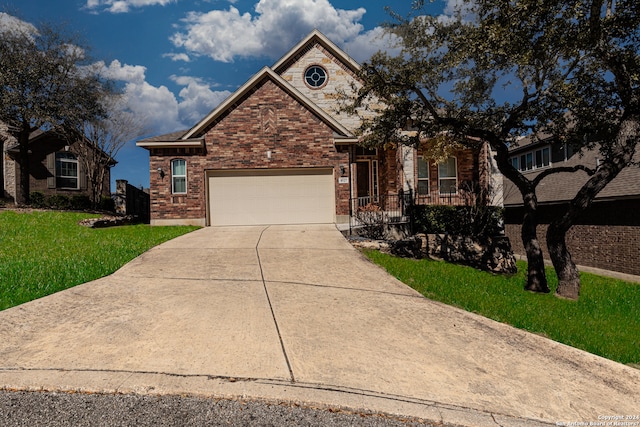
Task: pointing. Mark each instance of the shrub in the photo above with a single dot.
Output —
(58, 201)
(80, 202)
(481, 222)
(37, 200)
(107, 204)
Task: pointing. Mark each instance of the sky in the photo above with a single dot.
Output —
(176, 60)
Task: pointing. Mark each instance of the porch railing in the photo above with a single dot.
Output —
(388, 209)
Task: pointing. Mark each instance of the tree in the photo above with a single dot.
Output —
(498, 70)
(98, 141)
(604, 100)
(45, 83)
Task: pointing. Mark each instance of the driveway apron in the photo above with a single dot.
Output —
(294, 313)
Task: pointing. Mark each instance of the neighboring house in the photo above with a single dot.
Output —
(277, 152)
(54, 167)
(607, 235)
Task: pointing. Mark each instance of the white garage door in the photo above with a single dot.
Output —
(279, 196)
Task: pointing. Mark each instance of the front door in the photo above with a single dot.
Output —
(363, 177)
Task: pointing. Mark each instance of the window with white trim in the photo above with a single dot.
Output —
(67, 171)
(535, 159)
(423, 176)
(179, 176)
(448, 176)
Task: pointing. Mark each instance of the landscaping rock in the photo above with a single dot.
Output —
(499, 257)
(495, 256)
(407, 248)
(108, 221)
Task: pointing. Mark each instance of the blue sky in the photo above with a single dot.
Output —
(178, 59)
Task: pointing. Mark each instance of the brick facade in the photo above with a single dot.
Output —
(599, 239)
(267, 120)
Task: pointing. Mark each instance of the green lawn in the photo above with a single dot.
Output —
(45, 252)
(604, 321)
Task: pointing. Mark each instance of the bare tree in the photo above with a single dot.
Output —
(98, 141)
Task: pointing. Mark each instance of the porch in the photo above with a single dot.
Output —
(372, 212)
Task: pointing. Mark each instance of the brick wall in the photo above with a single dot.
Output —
(607, 237)
(266, 120)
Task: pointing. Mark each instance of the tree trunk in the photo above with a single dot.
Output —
(568, 275)
(536, 276)
(621, 155)
(23, 143)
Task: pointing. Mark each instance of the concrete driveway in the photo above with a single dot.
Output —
(294, 313)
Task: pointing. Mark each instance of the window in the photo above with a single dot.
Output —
(532, 160)
(67, 170)
(514, 162)
(423, 176)
(315, 76)
(447, 176)
(178, 176)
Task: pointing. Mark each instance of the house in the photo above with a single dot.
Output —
(277, 151)
(607, 235)
(54, 166)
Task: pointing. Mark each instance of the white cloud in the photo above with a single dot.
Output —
(10, 23)
(196, 98)
(276, 26)
(122, 6)
(366, 44)
(177, 57)
(160, 108)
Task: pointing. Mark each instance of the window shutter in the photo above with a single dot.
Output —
(51, 167)
(82, 176)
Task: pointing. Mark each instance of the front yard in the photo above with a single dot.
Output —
(42, 252)
(604, 321)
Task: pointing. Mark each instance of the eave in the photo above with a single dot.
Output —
(190, 143)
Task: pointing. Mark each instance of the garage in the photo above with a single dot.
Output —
(274, 196)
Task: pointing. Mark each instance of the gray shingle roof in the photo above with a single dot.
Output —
(564, 186)
(173, 136)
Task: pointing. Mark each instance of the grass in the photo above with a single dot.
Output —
(604, 321)
(46, 252)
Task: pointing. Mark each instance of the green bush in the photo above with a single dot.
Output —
(37, 200)
(80, 202)
(477, 221)
(58, 201)
(107, 204)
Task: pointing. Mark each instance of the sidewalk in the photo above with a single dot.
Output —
(294, 313)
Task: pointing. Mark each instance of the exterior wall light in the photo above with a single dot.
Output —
(161, 173)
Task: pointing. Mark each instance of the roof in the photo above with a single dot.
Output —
(194, 136)
(173, 139)
(315, 37)
(563, 186)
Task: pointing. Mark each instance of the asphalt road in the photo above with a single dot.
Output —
(44, 409)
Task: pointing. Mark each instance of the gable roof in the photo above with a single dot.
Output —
(266, 74)
(315, 37)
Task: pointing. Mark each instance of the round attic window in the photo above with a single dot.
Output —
(315, 76)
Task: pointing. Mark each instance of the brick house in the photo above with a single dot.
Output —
(54, 167)
(607, 235)
(277, 151)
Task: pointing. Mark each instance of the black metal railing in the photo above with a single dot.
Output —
(376, 212)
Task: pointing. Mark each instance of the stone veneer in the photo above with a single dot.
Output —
(328, 96)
